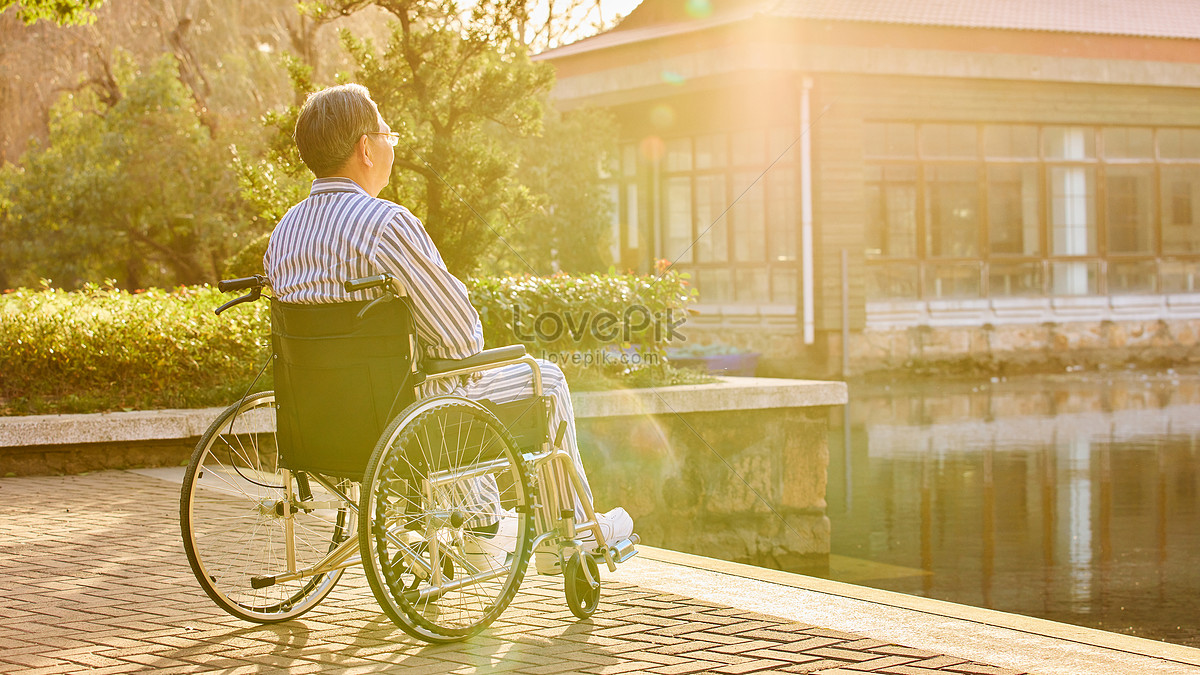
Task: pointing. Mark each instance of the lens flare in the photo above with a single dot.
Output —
(699, 9)
(662, 116)
(672, 77)
(653, 148)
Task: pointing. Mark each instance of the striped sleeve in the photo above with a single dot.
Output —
(447, 324)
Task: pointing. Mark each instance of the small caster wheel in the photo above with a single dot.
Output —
(582, 595)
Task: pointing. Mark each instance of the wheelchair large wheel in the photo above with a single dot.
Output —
(445, 524)
(234, 515)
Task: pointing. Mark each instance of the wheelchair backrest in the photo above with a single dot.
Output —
(339, 380)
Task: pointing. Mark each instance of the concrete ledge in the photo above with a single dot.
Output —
(732, 393)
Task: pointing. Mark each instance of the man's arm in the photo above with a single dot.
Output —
(446, 322)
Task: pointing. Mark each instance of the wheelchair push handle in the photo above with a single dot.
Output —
(227, 285)
(363, 283)
(255, 284)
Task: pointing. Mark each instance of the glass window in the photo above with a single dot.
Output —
(891, 194)
(1179, 143)
(629, 160)
(748, 148)
(614, 240)
(949, 140)
(1132, 277)
(1180, 276)
(1072, 193)
(782, 223)
(1069, 143)
(784, 285)
(890, 139)
(714, 286)
(1180, 209)
(712, 151)
(751, 285)
(1128, 143)
(1074, 278)
(781, 140)
(678, 207)
(712, 244)
(747, 218)
(1128, 206)
(631, 216)
(960, 280)
(891, 282)
(1007, 280)
(1014, 210)
(952, 211)
(679, 154)
(1010, 141)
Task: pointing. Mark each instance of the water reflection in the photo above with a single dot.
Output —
(1070, 498)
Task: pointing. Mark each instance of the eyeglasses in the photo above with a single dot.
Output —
(393, 137)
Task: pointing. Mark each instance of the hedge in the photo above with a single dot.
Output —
(104, 349)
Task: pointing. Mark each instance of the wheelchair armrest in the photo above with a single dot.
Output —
(484, 358)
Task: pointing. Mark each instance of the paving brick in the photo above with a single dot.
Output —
(880, 663)
(752, 666)
(980, 669)
(813, 666)
(105, 586)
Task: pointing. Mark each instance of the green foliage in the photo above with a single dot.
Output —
(134, 189)
(106, 349)
(61, 12)
(101, 348)
(249, 260)
(570, 225)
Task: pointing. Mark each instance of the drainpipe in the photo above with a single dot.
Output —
(806, 214)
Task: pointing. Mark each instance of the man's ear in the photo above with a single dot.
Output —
(364, 150)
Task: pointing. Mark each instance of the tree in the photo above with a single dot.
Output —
(569, 227)
(61, 12)
(137, 190)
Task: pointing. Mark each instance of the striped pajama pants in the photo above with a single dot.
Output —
(512, 383)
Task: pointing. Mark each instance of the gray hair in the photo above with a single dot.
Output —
(330, 123)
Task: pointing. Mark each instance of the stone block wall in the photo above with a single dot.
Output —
(1045, 346)
(986, 348)
(745, 485)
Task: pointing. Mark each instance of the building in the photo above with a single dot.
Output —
(1008, 180)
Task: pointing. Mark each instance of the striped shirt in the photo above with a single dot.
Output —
(340, 232)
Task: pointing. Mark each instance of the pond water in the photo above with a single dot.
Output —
(1074, 498)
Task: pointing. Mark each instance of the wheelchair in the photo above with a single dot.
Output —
(443, 500)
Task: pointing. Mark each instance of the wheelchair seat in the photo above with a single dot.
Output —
(339, 380)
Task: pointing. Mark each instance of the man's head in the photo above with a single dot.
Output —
(339, 132)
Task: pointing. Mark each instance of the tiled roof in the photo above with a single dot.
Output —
(1142, 18)
(1150, 18)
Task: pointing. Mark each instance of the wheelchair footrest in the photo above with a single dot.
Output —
(624, 549)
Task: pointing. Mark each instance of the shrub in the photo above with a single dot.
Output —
(101, 348)
(106, 349)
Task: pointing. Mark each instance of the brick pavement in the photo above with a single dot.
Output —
(93, 578)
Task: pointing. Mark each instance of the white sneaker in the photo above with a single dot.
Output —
(614, 525)
(489, 552)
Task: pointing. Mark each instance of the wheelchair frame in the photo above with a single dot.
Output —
(557, 528)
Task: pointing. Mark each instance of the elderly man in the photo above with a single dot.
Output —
(344, 231)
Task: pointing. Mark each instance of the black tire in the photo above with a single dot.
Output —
(421, 528)
(230, 516)
(582, 596)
